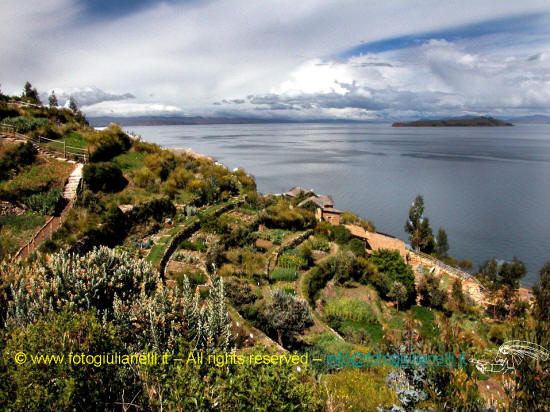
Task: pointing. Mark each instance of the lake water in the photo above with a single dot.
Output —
(489, 188)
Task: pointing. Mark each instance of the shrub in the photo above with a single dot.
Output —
(236, 388)
(340, 234)
(343, 266)
(287, 316)
(121, 289)
(320, 243)
(45, 203)
(105, 177)
(25, 124)
(86, 283)
(291, 261)
(239, 294)
(109, 143)
(394, 267)
(144, 178)
(64, 386)
(354, 390)
(357, 246)
(18, 157)
(283, 217)
(497, 334)
(431, 293)
(157, 209)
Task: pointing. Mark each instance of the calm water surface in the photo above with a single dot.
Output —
(489, 188)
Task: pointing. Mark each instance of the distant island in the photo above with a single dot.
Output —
(481, 121)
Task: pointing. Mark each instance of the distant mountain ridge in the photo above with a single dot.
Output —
(102, 121)
(480, 121)
(533, 119)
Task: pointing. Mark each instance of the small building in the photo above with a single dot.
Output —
(377, 240)
(328, 214)
(324, 208)
(297, 191)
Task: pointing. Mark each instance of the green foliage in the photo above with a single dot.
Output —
(344, 267)
(426, 316)
(239, 388)
(495, 274)
(442, 243)
(45, 203)
(357, 246)
(63, 386)
(283, 274)
(356, 390)
(394, 267)
(289, 260)
(340, 234)
(347, 308)
(109, 143)
(320, 243)
(52, 99)
(157, 209)
(104, 176)
(31, 94)
(541, 291)
(287, 316)
(431, 293)
(418, 227)
(129, 161)
(398, 293)
(283, 217)
(24, 124)
(497, 334)
(16, 158)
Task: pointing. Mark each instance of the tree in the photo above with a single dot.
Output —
(418, 227)
(398, 293)
(31, 93)
(391, 264)
(73, 105)
(542, 293)
(287, 315)
(431, 293)
(52, 99)
(457, 293)
(497, 274)
(442, 243)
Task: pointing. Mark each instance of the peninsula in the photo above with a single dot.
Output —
(481, 121)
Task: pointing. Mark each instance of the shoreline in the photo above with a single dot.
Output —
(523, 289)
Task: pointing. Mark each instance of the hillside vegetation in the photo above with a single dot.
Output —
(176, 254)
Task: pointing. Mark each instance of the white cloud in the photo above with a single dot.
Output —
(190, 54)
(130, 109)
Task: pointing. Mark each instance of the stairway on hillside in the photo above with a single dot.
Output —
(71, 187)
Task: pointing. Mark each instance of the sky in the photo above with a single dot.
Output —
(282, 59)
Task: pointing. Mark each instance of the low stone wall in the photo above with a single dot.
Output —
(185, 232)
(275, 254)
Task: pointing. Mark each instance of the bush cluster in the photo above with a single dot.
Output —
(103, 176)
(18, 157)
(109, 143)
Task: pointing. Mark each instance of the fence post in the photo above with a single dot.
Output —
(65, 150)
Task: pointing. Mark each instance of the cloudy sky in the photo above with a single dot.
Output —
(290, 59)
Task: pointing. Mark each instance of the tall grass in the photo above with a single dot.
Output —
(352, 309)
